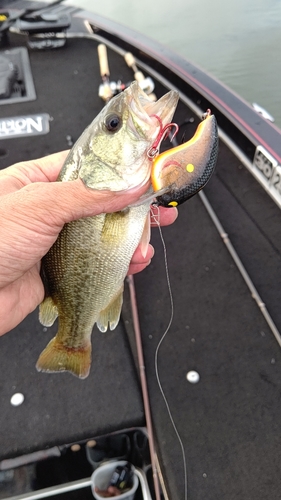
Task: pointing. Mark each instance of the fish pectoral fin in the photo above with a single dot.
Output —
(145, 238)
(57, 357)
(48, 312)
(111, 314)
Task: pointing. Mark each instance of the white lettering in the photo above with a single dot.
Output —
(24, 125)
(19, 125)
(35, 124)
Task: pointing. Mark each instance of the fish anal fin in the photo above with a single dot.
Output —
(111, 314)
(145, 238)
(48, 312)
(56, 357)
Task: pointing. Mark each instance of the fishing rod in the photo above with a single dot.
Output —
(107, 88)
(147, 410)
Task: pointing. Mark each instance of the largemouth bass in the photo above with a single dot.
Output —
(84, 271)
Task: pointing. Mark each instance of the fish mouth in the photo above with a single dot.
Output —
(149, 112)
(146, 121)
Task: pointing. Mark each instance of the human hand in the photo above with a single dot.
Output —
(34, 209)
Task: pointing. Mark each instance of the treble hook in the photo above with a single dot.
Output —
(163, 134)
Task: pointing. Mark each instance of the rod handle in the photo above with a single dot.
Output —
(102, 54)
(130, 60)
(139, 76)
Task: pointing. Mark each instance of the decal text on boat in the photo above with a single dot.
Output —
(19, 126)
(268, 172)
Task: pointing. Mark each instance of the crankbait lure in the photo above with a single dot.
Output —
(185, 169)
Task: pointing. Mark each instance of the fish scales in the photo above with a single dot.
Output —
(97, 251)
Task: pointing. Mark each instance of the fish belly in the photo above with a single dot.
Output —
(84, 276)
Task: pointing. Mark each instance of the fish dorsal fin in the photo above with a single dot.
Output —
(111, 314)
(48, 312)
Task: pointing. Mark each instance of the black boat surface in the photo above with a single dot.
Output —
(224, 264)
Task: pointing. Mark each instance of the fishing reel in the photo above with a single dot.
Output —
(109, 88)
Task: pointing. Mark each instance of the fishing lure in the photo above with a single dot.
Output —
(185, 169)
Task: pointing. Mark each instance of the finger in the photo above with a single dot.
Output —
(138, 257)
(21, 174)
(138, 262)
(163, 216)
(20, 298)
(137, 268)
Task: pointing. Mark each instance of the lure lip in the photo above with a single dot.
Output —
(149, 197)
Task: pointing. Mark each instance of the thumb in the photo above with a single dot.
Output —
(60, 202)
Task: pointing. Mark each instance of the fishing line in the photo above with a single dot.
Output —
(156, 219)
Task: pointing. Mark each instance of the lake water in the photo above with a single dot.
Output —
(238, 41)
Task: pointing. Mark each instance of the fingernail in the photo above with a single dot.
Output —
(152, 251)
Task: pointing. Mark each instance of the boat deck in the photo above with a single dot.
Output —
(229, 422)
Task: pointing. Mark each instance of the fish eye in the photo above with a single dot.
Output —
(113, 123)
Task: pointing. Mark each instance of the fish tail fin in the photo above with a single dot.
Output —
(56, 357)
